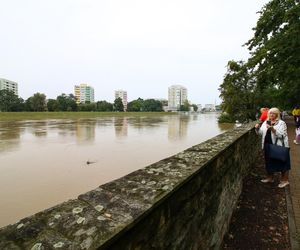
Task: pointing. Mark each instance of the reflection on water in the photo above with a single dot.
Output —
(43, 163)
(9, 136)
(85, 131)
(177, 127)
(121, 127)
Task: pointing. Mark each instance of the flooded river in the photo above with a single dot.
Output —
(45, 162)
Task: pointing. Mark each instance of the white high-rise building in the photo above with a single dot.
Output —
(209, 107)
(123, 95)
(84, 93)
(9, 85)
(177, 97)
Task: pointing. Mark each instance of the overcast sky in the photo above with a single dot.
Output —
(142, 46)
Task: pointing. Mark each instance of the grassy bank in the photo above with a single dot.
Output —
(70, 115)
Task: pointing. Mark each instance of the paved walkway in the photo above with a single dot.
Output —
(294, 189)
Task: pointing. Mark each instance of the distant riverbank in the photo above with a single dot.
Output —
(71, 115)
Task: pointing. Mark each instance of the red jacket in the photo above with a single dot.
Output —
(264, 115)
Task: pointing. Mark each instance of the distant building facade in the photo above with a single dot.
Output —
(199, 107)
(209, 107)
(84, 93)
(123, 95)
(177, 95)
(9, 85)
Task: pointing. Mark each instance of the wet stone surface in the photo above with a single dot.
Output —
(165, 204)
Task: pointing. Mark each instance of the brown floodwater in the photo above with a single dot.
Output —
(44, 162)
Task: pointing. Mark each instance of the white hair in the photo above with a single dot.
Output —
(275, 111)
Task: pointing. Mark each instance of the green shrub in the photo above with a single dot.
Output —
(226, 118)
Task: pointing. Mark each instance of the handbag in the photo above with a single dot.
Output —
(276, 152)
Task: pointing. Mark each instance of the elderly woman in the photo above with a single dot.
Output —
(273, 130)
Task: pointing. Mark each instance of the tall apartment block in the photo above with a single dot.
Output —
(123, 95)
(84, 93)
(9, 85)
(177, 95)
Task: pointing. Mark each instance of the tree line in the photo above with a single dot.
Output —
(271, 75)
(9, 102)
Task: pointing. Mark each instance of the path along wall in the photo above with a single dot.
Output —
(182, 202)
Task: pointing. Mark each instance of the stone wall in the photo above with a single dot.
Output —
(182, 202)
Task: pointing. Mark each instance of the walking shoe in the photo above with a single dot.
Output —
(267, 180)
(283, 184)
(296, 142)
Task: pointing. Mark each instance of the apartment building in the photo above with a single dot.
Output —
(177, 95)
(9, 85)
(84, 93)
(123, 95)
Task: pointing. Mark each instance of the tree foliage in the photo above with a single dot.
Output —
(52, 105)
(118, 105)
(136, 105)
(185, 106)
(10, 102)
(148, 105)
(36, 103)
(87, 106)
(195, 107)
(152, 105)
(66, 102)
(271, 76)
(237, 91)
(275, 51)
(104, 106)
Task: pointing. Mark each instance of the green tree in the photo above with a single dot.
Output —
(28, 104)
(118, 105)
(135, 105)
(87, 106)
(152, 105)
(52, 105)
(66, 102)
(36, 103)
(19, 105)
(275, 52)
(195, 107)
(237, 92)
(185, 106)
(271, 76)
(104, 106)
(9, 101)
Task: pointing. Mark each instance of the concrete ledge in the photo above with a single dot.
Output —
(182, 202)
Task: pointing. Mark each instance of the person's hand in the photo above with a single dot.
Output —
(257, 125)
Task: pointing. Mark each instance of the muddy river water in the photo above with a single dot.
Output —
(45, 162)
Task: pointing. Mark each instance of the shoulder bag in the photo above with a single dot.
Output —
(276, 152)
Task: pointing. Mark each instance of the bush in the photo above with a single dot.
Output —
(226, 118)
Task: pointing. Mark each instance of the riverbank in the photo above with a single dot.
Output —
(268, 217)
(260, 220)
(72, 115)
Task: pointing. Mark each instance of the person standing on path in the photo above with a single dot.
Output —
(263, 114)
(274, 130)
(296, 114)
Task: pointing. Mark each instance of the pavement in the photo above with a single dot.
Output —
(293, 191)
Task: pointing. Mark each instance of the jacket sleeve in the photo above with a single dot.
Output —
(281, 130)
